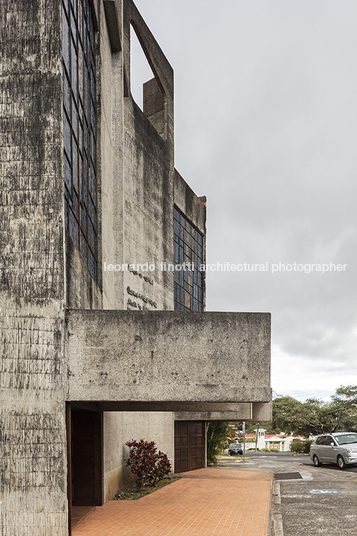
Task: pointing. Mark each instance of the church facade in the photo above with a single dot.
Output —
(104, 333)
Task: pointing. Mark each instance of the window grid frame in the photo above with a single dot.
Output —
(80, 129)
(188, 248)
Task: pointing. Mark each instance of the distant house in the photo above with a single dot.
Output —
(270, 441)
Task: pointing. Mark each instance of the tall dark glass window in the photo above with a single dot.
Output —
(79, 103)
(188, 250)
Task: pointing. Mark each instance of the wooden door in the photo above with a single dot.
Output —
(189, 445)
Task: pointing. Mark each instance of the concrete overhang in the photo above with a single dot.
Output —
(170, 360)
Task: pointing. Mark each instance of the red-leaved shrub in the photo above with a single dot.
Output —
(148, 465)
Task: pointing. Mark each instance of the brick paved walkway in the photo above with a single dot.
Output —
(206, 502)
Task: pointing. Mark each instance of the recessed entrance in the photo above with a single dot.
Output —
(189, 445)
(84, 431)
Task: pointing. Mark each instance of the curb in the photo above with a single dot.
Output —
(271, 505)
(277, 519)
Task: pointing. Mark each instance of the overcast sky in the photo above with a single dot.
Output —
(266, 128)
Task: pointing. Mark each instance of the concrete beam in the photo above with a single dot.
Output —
(169, 357)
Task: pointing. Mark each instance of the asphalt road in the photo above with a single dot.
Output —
(322, 501)
(267, 461)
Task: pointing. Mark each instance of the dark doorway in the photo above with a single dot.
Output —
(189, 445)
(84, 440)
(86, 455)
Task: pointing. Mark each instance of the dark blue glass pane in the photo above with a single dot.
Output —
(75, 165)
(84, 183)
(176, 252)
(67, 137)
(84, 248)
(80, 137)
(91, 235)
(87, 98)
(74, 72)
(84, 221)
(80, 73)
(73, 227)
(68, 174)
(67, 95)
(74, 119)
(92, 146)
(74, 28)
(75, 205)
(91, 210)
(92, 264)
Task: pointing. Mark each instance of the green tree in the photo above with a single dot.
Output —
(344, 404)
(314, 416)
(218, 435)
(307, 418)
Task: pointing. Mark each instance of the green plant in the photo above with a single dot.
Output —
(218, 436)
(131, 495)
(300, 447)
(148, 465)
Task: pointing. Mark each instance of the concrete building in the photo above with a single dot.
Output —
(101, 341)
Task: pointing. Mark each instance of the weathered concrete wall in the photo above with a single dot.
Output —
(169, 356)
(136, 206)
(154, 106)
(153, 426)
(148, 178)
(33, 481)
(120, 427)
(113, 454)
(187, 201)
(112, 176)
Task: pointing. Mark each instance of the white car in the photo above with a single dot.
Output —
(339, 448)
(234, 449)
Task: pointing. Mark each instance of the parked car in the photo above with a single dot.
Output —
(339, 447)
(234, 449)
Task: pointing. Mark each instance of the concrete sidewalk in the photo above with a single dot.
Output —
(206, 502)
(322, 502)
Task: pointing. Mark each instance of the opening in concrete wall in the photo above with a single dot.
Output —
(85, 460)
(145, 88)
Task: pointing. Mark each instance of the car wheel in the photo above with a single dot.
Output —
(341, 462)
(230, 452)
(316, 461)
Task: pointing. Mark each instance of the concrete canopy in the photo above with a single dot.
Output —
(203, 362)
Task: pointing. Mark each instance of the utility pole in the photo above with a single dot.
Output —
(244, 441)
